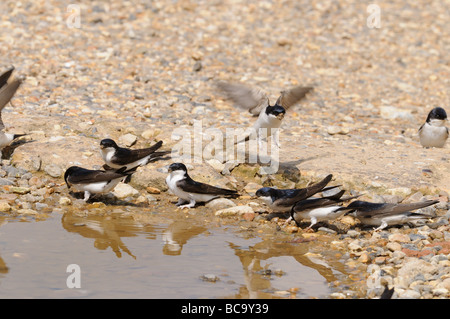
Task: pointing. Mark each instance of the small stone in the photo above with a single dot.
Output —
(27, 211)
(249, 216)
(216, 164)
(20, 190)
(364, 258)
(152, 190)
(348, 220)
(53, 170)
(197, 66)
(233, 211)
(127, 139)
(123, 190)
(251, 188)
(399, 237)
(65, 201)
(332, 130)
(35, 181)
(220, 203)
(291, 229)
(209, 278)
(440, 291)
(394, 246)
(4, 206)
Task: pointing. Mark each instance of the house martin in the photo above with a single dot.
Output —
(320, 209)
(7, 91)
(434, 133)
(282, 200)
(387, 214)
(94, 182)
(189, 191)
(117, 157)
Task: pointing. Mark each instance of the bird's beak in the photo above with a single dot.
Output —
(280, 116)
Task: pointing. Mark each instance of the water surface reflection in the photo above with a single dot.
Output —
(167, 257)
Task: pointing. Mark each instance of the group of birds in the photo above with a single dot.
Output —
(121, 163)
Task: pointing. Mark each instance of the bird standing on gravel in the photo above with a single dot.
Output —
(434, 133)
(7, 91)
(94, 182)
(189, 191)
(320, 209)
(117, 157)
(282, 200)
(387, 214)
(258, 104)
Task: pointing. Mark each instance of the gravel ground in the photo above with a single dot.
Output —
(136, 71)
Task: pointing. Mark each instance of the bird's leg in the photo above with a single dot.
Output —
(313, 222)
(86, 196)
(181, 201)
(190, 205)
(382, 226)
(288, 220)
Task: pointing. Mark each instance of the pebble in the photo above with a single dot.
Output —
(123, 190)
(233, 211)
(220, 203)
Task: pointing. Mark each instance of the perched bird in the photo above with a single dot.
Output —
(93, 182)
(434, 133)
(189, 191)
(387, 214)
(282, 200)
(117, 157)
(257, 102)
(320, 209)
(7, 91)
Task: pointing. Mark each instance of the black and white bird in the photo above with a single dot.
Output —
(282, 200)
(94, 182)
(7, 91)
(388, 214)
(117, 157)
(257, 102)
(191, 192)
(320, 209)
(434, 133)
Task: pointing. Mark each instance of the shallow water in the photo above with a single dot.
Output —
(119, 257)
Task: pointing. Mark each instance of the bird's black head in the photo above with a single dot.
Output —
(438, 113)
(107, 142)
(276, 110)
(69, 172)
(177, 167)
(265, 192)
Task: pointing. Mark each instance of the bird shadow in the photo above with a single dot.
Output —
(105, 199)
(8, 150)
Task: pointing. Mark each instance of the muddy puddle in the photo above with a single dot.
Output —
(121, 254)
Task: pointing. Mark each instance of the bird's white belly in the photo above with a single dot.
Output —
(97, 188)
(433, 136)
(5, 139)
(323, 213)
(171, 182)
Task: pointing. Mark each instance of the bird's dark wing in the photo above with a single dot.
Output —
(291, 97)
(190, 186)
(6, 93)
(251, 99)
(367, 209)
(85, 176)
(125, 156)
(309, 204)
(4, 77)
(303, 193)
